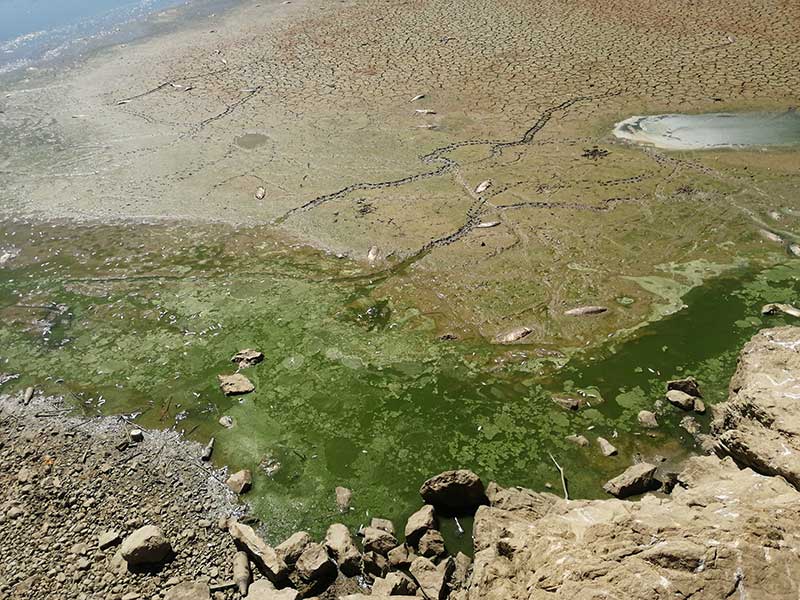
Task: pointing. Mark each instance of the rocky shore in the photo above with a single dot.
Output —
(90, 508)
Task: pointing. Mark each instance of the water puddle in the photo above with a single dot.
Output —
(712, 130)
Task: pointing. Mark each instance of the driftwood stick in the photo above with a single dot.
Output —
(563, 479)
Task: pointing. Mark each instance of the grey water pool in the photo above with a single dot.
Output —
(712, 130)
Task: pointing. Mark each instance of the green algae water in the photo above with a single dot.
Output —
(355, 390)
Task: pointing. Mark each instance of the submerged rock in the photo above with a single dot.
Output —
(690, 424)
(226, 421)
(585, 310)
(687, 385)
(606, 447)
(578, 440)
(247, 358)
(233, 385)
(513, 335)
(636, 479)
(647, 419)
(460, 490)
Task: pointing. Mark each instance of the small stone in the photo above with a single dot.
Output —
(226, 421)
(605, 447)
(25, 475)
(189, 590)
(236, 384)
(687, 385)
(567, 402)
(147, 545)
(647, 419)
(343, 498)
(401, 557)
(699, 406)
(394, 584)
(680, 399)
(636, 479)
(241, 481)
(513, 335)
(690, 424)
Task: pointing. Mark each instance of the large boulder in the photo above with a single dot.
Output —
(343, 549)
(636, 479)
(145, 546)
(378, 540)
(431, 578)
(420, 522)
(759, 425)
(456, 491)
(264, 557)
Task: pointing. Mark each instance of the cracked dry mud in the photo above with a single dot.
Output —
(519, 92)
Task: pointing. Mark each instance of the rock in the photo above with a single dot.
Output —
(263, 589)
(236, 384)
(261, 192)
(226, 421)
(263, 556)
(314, 563)
(513, 335)
(431, 544)
(431, 579)
(794, 249)
(420, 522)
(384, 524)
(343, 549)
(145, 546)
(568, 403)
(770, 236)
(378, 540)
(28, 395)
(579, 440)
(463, 564)
(394, 584)
(343, 498)
(699, 406)
(241, 572)
(647, 419)
(25, 475)
(401, 557)
(687, 385)
(108, 539)
(585, 310)
(136, 435)
(190, 590)
(247, 358)
(690, 424)
(375, 564)
(680, 399)
(460, 491)
(606, 447)
(241, 481)
(290, 549)
(483, 186)
(636, 479)
(776, 309)
(208, 451)
(374, 254)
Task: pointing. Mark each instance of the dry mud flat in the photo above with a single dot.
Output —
(301, 115)
(72, 488)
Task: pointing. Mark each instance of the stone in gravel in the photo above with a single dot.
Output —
(647, 419)
(25, 475)
(687, 385)
(107, 539)
(241, 481)
(401, 557)
(606, 447)
(235, 384)
(343, 498)
(680, 399)
(263, 556)
(636, 479)
(394, 584)
(343, 549)
(431, 544)
(226, 421)
(291, 548)
(430, 578)
(136, 435)
(247, 358)
(384, 524)
(314, 563)
(420, 522)
(145, 546)
(189, 590)
(460, 491)
(378, 540)
(241, 572)
(264, 590)
(579, 440)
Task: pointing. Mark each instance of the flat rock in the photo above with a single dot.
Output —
(247, 358)
(263, 589)
(420, 522)
(568, 402)
(263, 556)
(190, 590)
(401, 557)
(394, 584)
(343, 549)
(241, 481)
(513, 335)
(108, 539)
(235, 384)
(777, 308)
(291, 548)
(680, 399)
(636, 479)
(460, 491)
(146, 546)
(375, 564)
(606, 447)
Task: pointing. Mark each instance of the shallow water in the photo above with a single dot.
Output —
(356, 389)
(712, 130)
